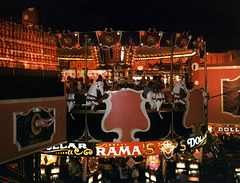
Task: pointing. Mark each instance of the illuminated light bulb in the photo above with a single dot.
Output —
(122, 54)
(196, 82)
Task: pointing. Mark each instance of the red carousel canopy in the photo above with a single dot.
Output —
(125, 48)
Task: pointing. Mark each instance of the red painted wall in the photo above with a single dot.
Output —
(214, 76)
(9, 150)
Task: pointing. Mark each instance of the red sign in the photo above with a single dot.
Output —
(119, 118)
(194, 116)
(119, 149)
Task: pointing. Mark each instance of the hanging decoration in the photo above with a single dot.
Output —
(69, 40)
(167, 148)
(93, 164)
(150, 39)
(182, 40)
(153, 162)
(109, 39)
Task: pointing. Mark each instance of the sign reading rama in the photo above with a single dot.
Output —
(119, 149)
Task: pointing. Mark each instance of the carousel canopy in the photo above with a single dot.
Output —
(124, 47)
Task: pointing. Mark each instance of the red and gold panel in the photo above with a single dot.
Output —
(69, 40)
(109, 39)
(150, 38)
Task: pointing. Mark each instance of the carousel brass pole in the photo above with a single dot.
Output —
(205, 65)
(182, 71)
(205, 75)
(86, 85)
(86, 90)
(172, 127)
(86, 54)
(131, 62)
(171, 62)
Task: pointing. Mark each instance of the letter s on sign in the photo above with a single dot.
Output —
(183, 145)
(149, 149)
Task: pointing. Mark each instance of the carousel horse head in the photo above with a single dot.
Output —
(179, 92)
(95, 88)
(181, 85)
(70, 101)
(94, 93)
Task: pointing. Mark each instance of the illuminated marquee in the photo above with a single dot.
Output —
(119, 149)
(180, 145)
(227, 129)
(72, 149)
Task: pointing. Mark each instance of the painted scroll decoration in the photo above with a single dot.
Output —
(194, 115)
(125, 114)
(35, 126)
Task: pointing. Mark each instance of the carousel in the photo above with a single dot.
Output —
(126, 121)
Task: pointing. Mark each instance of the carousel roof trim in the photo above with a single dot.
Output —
(167, 56)
(142, 53)
(127, 38)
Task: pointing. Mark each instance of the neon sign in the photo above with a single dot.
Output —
(119, 149)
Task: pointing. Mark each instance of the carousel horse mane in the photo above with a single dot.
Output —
(156, 99)
(180, 85)
(94, 87)
(177, 93)
(93, 94)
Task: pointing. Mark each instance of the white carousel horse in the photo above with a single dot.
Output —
(92, 94)
(156, 100)
(70, 101)
(181, 85)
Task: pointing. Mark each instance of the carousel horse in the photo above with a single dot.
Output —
(70, 101)
(179, 92)
(93, 94)
(156, 100)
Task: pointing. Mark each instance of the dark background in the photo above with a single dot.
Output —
(217, 21)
